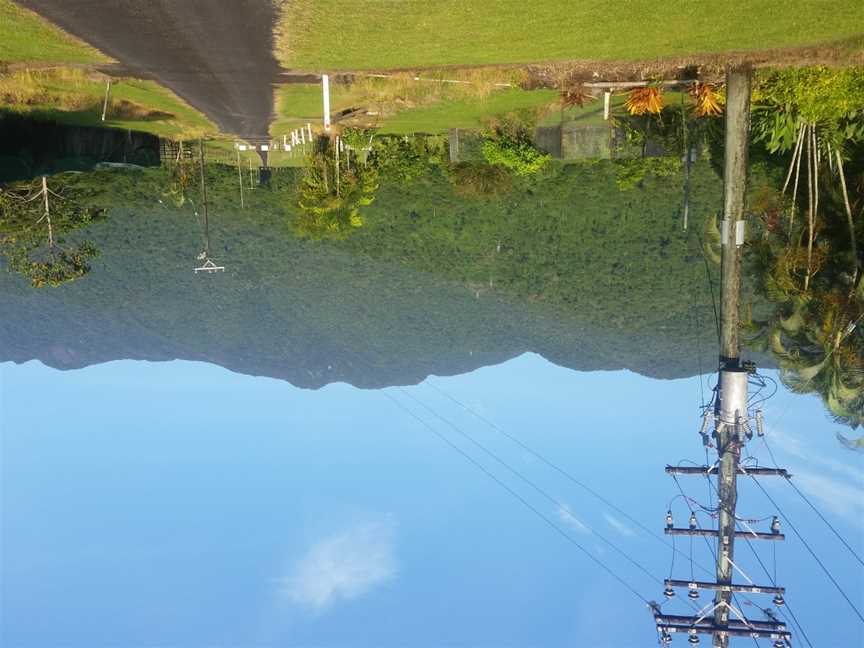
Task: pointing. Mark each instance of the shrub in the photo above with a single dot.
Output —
(478, 180)
(509, 145)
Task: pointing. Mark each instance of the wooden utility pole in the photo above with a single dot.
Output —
(722, 619)
(204, 200)
(734, 185)
(208, 266)
(732, 401)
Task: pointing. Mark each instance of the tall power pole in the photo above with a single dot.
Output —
(732, 401)
(723, 619)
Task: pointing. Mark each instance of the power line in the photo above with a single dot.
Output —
(815, 510)
(686, 499)
(518, 474)
(710, 285)
(566, 474)
(774, 582)
(822, 517)
(812, 553)
(772, 579)
(516, 495)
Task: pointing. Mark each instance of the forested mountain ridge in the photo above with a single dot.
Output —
(573, 267)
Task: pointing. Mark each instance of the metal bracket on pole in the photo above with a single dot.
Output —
(727, 230)
(715, 533)
(749, 589)
(708, 470)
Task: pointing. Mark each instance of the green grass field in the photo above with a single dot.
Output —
(24, 36)
(380, 34)
(73, 97)
(465, 113)
(301, 103)
(184, 121)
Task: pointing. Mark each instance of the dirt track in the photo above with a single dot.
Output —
(215, 54)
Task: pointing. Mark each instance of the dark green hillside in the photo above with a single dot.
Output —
(587, 275)
(624, 283)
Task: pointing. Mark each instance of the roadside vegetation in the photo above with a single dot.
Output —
(24, 36)
(75, 97)
(371, 34)
(809, 257)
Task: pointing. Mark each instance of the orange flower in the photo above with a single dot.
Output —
(644, 100)
(707, 99)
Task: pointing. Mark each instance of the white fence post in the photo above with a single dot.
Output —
(325, 87)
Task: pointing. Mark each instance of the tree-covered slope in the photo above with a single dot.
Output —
(590, 276)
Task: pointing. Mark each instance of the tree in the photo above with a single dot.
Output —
(817, 114)
(34, 221)
(331, 196)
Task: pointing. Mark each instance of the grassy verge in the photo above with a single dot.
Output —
(378, 34)
(74, 97)
(465, 113)
(24, 36)
(403, 105)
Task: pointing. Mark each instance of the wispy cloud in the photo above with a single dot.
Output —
(567, 517)
(839, 497)
(833, 485)
(618, 525)
(344, 566)
(795, 446)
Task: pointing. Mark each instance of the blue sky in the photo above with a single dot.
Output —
(177, 504)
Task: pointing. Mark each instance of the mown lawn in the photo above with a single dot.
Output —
(300, 103)
(71, 96)
(24, 36)
(377, 34)
(184, 121)
(465, 113)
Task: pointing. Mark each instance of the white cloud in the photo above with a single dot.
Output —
(567, 517)
(833, 485)
(795, 446)
(343, 566)
(840, 498)
(618, 525)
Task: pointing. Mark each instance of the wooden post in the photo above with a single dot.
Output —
(105, 103)
(240, 177)
(734, 179)
(336, 154)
